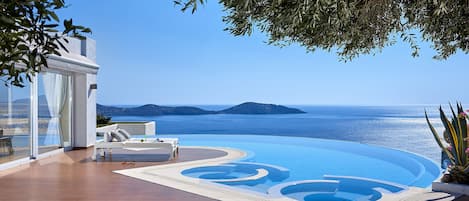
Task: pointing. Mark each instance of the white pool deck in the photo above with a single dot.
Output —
(170, 175)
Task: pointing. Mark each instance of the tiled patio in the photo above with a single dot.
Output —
(74, 176)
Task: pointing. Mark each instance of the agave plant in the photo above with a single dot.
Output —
(456, 136)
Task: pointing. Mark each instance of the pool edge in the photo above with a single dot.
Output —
(170, 175)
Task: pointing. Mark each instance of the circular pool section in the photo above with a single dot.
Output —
(240, 173)
(335, 188)
(221, 172)
(312, 159)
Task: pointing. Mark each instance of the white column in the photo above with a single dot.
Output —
(33, 118)
(84, 110)
(91, 110)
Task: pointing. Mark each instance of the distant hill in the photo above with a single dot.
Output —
(260, 108)
(150, 110)
(42, 100)
(155, 110)
(24, 104)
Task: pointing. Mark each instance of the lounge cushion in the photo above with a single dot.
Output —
(107, 137)
(124, 133)
(117, 137)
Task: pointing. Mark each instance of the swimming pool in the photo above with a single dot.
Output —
(312, 169)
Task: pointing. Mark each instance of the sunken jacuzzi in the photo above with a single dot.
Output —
(239, 173)
(336, 188)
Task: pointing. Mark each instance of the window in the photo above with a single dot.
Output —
(15, 133)
(18, 133)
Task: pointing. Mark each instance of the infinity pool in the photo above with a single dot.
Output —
(312, 169)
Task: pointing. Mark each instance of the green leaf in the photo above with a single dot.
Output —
(453, 138)
(438, 140)
(50, 25)
(31, 22)
(352, 28)
(23, 47)
(54, 16)
(86, 30)
(68, 25)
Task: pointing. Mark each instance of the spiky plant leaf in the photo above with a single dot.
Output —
(438, 140)
(453, 138)
(463, 131)
(456, 123)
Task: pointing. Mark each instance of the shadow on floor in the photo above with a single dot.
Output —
(122, 155)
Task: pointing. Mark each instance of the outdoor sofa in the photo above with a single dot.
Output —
(121, 139)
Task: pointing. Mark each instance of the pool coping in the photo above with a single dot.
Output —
(170, 175)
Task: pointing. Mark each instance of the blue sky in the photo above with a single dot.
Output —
(150, 52)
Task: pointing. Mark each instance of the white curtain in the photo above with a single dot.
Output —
(55, 89)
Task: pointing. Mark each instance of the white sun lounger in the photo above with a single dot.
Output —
(170, 145)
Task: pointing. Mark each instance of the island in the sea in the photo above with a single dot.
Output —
(156, 110)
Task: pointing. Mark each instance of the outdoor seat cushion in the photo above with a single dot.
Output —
(117, 137)
(107, 137)
(124, 133)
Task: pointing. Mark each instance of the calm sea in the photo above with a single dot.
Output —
(401, 127)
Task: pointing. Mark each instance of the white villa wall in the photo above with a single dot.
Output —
(88, 49)
(82, 62)
(74, 46)
(91, 110)
(79, 116)
(84, 110)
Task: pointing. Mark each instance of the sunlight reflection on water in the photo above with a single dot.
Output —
(402, 127)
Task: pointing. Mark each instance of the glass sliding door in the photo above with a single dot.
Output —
(27, 129)
(15, 133)
(54, 111)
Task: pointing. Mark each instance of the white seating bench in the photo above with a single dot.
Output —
(170, 145)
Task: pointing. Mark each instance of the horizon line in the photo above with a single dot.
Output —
(285, 104)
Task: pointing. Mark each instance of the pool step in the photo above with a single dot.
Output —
(275, 173)
(261, 173)
(367, 183)
(240, 173)
(318, 186)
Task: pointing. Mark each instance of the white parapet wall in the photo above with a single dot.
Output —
(101, 130)
(139, 128)
(134, 128)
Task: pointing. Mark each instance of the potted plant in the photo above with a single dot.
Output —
(454, 147)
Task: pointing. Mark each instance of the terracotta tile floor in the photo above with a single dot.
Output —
(73, 176)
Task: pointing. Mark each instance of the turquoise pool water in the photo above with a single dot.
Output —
(314, 159)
